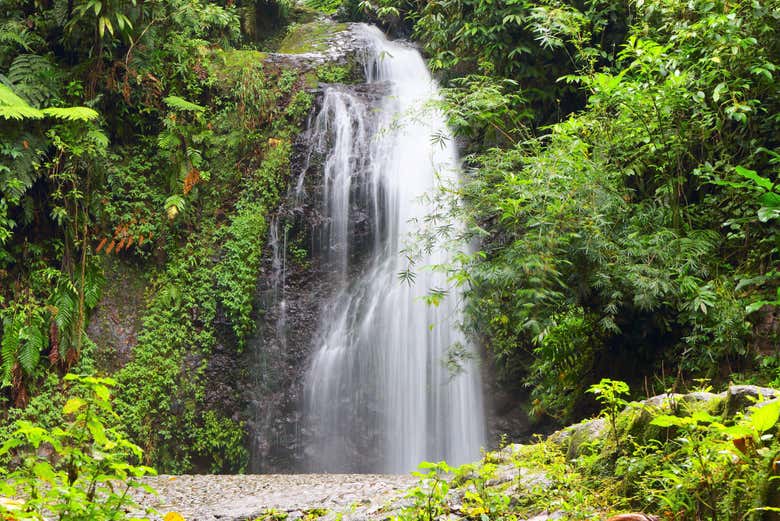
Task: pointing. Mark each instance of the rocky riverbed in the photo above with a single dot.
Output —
(247, 497)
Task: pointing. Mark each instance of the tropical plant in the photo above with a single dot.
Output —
(82, 470)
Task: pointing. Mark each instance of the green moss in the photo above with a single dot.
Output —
(311, 80)
(310, 37)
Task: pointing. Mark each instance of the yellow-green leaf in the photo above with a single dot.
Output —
(73, 405)
(764, 418)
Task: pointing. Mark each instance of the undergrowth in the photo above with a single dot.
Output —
(682, 463)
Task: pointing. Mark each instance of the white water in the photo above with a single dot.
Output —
(378, 396)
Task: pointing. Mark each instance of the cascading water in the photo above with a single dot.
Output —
(378, 396)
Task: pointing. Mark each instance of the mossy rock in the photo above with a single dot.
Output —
(116, 320)
(635, 420)
(738, 398)
(310, 37)
(577, 438)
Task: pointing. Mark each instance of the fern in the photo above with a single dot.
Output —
(177, 103)
(14, 107)
(10, 345)
(67, 307)
(168, 141)
(93, 285)
(325, 6)
(14, 32)
(71, 113)
(34, 78)
(29, 353)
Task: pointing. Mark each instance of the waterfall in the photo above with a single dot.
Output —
(378, 397)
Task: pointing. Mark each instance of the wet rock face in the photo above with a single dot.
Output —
(116, 320)
(294, 285)
(318, 43)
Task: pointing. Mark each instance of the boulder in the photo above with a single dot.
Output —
(740, 397)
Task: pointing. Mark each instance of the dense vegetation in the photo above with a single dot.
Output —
(622, 178)
(137, 137)
(681, 457)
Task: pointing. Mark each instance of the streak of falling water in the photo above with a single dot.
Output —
(378, 397)
(278, 278)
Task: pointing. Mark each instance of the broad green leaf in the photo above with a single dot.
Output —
(718, 92)
(666, 420)
(765, 417)
(44, 471)
(755, 306)
(738, 431)
(97, 430)
(703, 417)
(14, 107)
(102, 392)
(763, 182)
(73, 405)
(770, 200)
(767, 214)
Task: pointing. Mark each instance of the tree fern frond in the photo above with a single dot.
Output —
(14, 107)
(99, 138)
(34, 78)
(177, 103)
(15, 32)
(19, 112)
(17, 37)
(93, 285)
(168, 141)
(71, 113)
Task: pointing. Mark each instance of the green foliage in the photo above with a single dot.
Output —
(107, 15)
(637, 232)
(324, 6)
(609, 394)
(91, 466)
(238, 270)
(138, 130)
(333, 73)
(14, 107)
(480, 499)
(698, 466)
(213, 240)
(708, 470)
(430, 495)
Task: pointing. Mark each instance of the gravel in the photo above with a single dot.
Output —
(246, 497)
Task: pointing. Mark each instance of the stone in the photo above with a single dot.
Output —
(248, 497)
(740, 397)
(576, 437)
